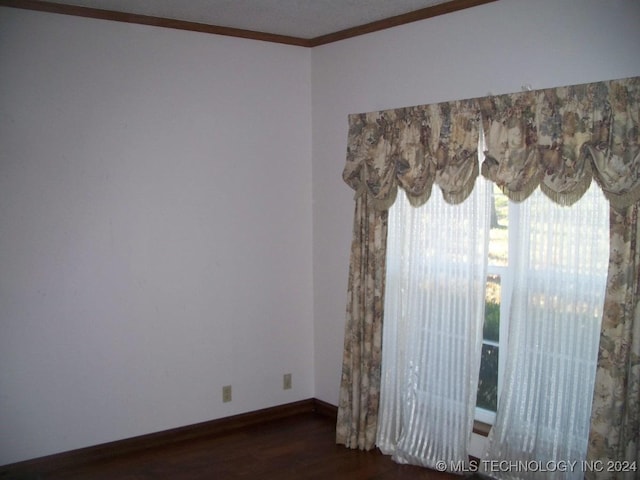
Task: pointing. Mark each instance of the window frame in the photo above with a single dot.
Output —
(506, 274)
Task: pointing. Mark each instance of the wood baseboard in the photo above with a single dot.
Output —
(74, 458)
(325, 409)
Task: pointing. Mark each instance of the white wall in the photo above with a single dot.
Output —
(497, 48)
(155, 229)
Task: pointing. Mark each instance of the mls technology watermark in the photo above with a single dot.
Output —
(523, 466)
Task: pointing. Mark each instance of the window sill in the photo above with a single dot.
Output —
(481, 428)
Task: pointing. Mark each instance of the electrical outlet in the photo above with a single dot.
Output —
(286, 381)
(226, 393)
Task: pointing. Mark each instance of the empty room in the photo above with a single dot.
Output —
(402, 232)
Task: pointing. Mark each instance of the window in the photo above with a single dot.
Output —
(457, 284)
(434, 312)
(495, 332)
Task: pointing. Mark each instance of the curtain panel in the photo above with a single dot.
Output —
(615, 416)
(558, 139)
(362, 360)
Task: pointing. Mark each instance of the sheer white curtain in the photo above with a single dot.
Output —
(434, 310)
(544, 410)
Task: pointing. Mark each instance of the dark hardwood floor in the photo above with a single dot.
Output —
(300, 447)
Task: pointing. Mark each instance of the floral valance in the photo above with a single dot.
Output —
(558, 138)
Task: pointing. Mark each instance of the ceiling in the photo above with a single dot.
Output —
(301, 19)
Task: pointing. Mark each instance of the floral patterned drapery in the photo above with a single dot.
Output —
(413, 148)
(557, 139)
(615, 417)
(361, 366)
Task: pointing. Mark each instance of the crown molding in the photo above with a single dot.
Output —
(115, 16)
(410, 17)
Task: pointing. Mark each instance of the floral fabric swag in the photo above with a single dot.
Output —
(558, 139)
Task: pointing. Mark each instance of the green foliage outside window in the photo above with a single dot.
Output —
(488, 378)
(491, 329)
